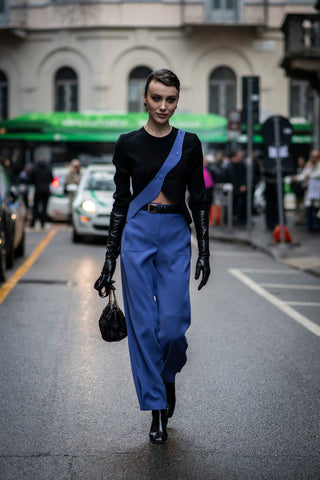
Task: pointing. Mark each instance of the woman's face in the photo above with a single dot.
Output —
(161, 101)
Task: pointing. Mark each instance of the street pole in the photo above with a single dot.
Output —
(276, 127)
(249, 153)
(316, 142)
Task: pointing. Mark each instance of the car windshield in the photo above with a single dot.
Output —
(100, 181)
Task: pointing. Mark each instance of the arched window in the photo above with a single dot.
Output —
(3, 96)
(66, 90)
(137, 80)
(222, 91)
(301, 99)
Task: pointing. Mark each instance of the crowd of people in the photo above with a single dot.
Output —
(232, 169)
(305, 184)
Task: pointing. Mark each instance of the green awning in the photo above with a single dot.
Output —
(61, 137)
(94, 127)
(105, 127)
(294, 139)
(302, 133)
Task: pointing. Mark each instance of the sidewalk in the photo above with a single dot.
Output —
(303, 253)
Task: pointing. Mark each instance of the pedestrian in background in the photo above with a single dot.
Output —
(25, 180)
(237, 175)
(73, 177)
(218, 167)
(299, 187)
(208, 182)
(311, 174)
(151, 229)
(41, 177)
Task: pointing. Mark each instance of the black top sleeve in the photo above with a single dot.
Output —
(122, 195)
(195, 182)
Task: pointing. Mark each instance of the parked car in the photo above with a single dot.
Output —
(14, 216)
(2, 250)
(93, 202)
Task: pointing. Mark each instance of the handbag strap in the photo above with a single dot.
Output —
(113, 294)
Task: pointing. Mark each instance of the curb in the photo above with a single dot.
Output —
(262, 247)
(244, 241)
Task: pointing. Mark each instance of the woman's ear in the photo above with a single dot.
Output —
(145, 102)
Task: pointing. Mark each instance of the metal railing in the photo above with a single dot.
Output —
(223, 202)
(14, 13)
(302, 32)
(238, 12)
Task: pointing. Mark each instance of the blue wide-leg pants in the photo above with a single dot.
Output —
(155, 273)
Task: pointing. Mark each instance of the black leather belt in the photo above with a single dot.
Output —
(156, 208)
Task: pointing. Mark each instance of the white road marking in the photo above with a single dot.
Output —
(226, 253)
(293, 287)
(301, 319)
(269, 270)
(304, 304)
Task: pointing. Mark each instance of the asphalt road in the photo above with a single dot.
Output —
(247, 401)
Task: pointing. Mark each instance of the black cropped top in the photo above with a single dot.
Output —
(138, 156)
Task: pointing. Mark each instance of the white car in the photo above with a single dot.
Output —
(93, 202)
(58, 208)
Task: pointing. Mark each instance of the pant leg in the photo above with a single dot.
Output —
(35, 209)
(44, 199)
(138, 284)
(172, 293)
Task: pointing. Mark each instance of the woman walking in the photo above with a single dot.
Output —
(150, 228)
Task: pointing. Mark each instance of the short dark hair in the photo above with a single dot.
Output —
(165, 76)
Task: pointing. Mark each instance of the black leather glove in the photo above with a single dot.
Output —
(105, 283)
(201, 223)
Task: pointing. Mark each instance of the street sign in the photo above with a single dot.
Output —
(234, 123)
(268, 131)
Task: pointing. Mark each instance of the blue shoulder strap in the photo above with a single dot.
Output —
(152, 190)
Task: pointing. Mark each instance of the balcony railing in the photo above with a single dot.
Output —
(232, 12)
(13, 13)
(302, 47)
(302, 34)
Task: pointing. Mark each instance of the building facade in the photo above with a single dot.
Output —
(84, 55)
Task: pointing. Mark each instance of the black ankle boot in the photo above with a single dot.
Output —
(171, 398)
(158, 430)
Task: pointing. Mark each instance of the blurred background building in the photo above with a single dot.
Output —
(94, 55)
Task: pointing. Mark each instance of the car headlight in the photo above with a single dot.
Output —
(89, 206)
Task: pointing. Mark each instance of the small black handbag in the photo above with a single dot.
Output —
(112, 322)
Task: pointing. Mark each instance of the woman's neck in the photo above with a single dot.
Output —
(158, 130)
